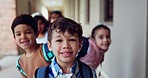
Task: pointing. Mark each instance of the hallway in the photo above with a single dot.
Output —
(127, 56)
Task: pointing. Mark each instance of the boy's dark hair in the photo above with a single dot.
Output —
(65, 24)
(43, 19)
(93, 33)
(25, 19)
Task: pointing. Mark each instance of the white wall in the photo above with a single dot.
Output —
(94, 16)
(126, 57)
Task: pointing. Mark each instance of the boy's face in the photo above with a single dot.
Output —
(102, 38)
(65, 46)
(24, 36)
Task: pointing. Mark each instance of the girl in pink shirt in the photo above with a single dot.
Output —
(95, 46)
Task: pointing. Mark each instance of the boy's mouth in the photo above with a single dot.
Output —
(66, 54)
(25, 43)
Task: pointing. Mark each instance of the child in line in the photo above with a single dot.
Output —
(94, 48)
(54, 15)
(24, 29)
(65, 39)
(42, 29)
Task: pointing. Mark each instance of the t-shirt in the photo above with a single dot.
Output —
(30, 64)
(42, 40)
(94, 56)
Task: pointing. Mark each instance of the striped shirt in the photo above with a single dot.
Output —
(56, 72)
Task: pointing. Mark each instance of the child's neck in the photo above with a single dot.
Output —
(32, 51)
(41, 35)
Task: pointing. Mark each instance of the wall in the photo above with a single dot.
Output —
(7, 14)
(93, 15)
(22, 7)
(126, 57)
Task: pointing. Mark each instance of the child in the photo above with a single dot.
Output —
(54, 15)
(65, 38)
(24, 29)
(95, 46)
(42, 29)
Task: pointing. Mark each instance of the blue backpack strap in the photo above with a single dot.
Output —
(85, 70)
(41, 72)
(84, 48)
(48, 55)
(19, 68)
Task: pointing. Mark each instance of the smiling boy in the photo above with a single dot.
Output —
(65, 39)
(24, 29)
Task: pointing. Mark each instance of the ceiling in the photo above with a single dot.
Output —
(53, 3)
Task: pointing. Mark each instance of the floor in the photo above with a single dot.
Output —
(7, 65)
(8, 69)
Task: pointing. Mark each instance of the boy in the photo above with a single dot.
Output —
(65, 39)
(24, 29)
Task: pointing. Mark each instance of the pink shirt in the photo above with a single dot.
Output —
(94, 56)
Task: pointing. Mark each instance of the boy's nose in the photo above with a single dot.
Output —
(23, 36)
(66, 45)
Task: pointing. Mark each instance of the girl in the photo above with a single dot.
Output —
(42, 29)
(94, 48)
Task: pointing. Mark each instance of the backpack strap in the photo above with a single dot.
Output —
(84, 48)
(48, 55)
(42, 72)
(18, 66)
(85, 70)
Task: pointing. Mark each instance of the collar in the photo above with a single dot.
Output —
(57, 71)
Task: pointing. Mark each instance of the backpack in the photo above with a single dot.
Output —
(84, 48)
(85, 70)
(48, 55)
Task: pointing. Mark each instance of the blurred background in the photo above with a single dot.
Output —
(127, 19)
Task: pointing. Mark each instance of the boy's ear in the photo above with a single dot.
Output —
(49, 46)
(80, 45)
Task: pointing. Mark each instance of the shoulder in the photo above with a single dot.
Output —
(19, 68)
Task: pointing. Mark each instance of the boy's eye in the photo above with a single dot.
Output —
(59, 40)
(18, 34)
(28, 32)
(72, 40)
